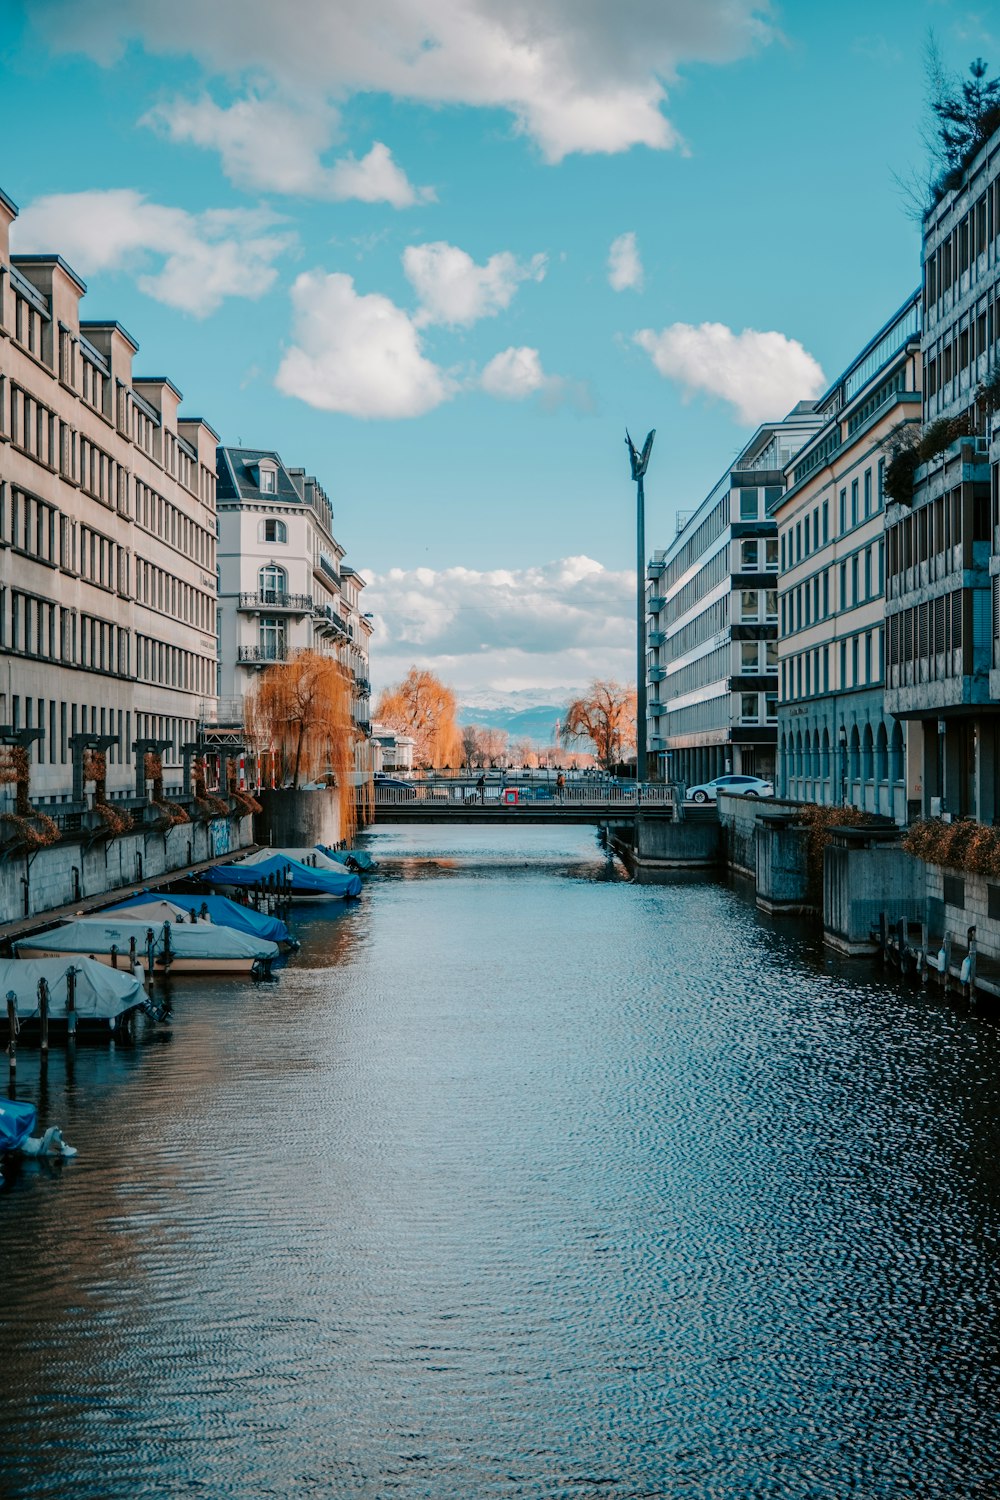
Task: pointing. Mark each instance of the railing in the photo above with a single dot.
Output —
(299, 604)
(263, 655)
(215, 711)
(457, 794)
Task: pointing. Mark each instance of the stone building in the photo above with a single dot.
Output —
(942, 538)
(712, 619)
(836, 742)
(283, 585)
(107, 540)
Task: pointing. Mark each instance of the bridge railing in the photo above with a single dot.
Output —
(455, 794)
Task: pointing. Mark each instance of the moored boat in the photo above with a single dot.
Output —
(223, 912)
(160, 947)
(284, 876)
(100, 996)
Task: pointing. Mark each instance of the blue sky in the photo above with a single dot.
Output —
(375, 235)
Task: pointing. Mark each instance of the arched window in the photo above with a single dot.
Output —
(798, 754)
(855, 751)
(867, 759)
(272, 530)
(825, 755)
(881, 754)
(897, 769)
(272, 583)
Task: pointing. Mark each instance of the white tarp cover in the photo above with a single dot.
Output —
(101, 993)
(187, 940)
(153, 912)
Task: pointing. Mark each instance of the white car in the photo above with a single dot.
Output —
(740, 786)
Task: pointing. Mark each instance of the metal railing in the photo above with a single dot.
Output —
(263, 655)
(298, 604)
(457, 794)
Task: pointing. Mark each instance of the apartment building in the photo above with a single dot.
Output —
(836, 743)
(283, 582)
(712, 619)
(942, 541)
(107, 538)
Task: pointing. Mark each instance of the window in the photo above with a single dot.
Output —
(272, 531)
(771, 554)
(771, 700)
(854, 502)
(749, 505)
(272, 640)
(750, 555)
(868, 492)
(749, 605)
(749, 708)
(826, 522)
(272, 583)
(843, 511)
(268, 481)
(749, 653)
(771, 605)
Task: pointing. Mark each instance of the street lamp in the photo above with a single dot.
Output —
(842, 741)
(640, 463)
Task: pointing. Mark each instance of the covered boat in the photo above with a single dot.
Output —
(146, 908)
(100, 994)
(180, 947)
(305, 882)
(17, 1121)
(358, 860)
(224, 913)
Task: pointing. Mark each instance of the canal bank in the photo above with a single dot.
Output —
(522, 1180)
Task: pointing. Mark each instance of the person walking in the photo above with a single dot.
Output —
(481, 787)
(561, 787)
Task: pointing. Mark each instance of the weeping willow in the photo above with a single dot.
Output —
(300, 713)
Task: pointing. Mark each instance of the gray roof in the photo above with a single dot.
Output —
(236, 470)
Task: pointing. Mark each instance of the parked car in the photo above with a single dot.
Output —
(396, 785)
(740, 786)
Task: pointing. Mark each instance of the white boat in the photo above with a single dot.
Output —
(154, 911)
(160, 947)
(99, 994)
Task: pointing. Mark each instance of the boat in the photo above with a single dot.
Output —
(101, 997)
(177, 947)
(358, 860)
(279, 873)
(223, 912)
(17, 1121)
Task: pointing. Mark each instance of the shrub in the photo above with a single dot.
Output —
(962, 845)
(820, 821)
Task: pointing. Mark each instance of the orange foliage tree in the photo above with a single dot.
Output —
(422, 707)
(604, 715)
(302, 710)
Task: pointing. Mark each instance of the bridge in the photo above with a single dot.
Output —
(523, 803)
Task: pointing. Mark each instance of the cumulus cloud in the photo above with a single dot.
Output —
(509, 628)
(272, 146)
(761, 375)
(514, 374)
(452, 289)
(624, 264)
(357, 354)
(189, 261)
(574, 77)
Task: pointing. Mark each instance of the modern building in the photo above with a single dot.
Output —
(283, 584)
(712, 619)
(107, 540)
(836, 743)
(942, 604)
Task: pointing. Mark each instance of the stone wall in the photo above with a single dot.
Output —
(738, 821)
(863, 877)
(67, 872)
(298, 819)
(957, 901)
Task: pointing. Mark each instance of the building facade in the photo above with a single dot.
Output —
(942, 541)
(712, 619)
(836, 742)
(107, 541)
(283, 583)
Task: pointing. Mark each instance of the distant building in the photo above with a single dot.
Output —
(712, 619)
(836, 743)
(943, 557)
(394, 750)
(283, 583)
(107, 539)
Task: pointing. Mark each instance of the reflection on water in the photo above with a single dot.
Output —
(521, 1181)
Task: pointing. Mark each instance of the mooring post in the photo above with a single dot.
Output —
(883, 936)
(13, 1027)
(71, 974)
(43, 1008)
(923, 953)
(970, 967)
(947, 961)
(150, 944)
(114, 955)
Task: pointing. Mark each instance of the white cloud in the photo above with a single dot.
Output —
(761, 375)
(358, 354)
(624, 264)
(189, 261)
(453, 289)
(514, 374)
(510, 628)
(574, 76)
(272, 146)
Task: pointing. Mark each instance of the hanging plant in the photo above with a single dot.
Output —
(37, 831)
(116, 820)
(95, 765)
(962, 845)
(171, 814)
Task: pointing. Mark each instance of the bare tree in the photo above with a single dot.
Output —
(605, 716)
(422, 707)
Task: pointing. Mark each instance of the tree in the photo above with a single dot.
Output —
(605, 715)
(422, 707)
(302, 710)
(470, 743)
(493, 743)
(964, 116)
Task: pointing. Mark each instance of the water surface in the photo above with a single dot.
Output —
(522, 1181)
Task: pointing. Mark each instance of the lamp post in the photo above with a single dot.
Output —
(842, 741)
(640, 463)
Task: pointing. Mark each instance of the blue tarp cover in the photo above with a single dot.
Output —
(304, 880)
(361, 857)
(224, 913)
(17, 1121)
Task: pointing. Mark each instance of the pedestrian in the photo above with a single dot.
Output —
(481, 787)
(560, 786)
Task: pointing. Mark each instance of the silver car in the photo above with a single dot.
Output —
(740, 786)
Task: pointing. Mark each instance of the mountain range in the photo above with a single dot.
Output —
(527, 714)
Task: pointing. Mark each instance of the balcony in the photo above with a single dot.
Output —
(325, 617)
(657, 674)
(263, 656)
(656, 603)
(655, 569)
(656, 708)
(326, 567)
(657, 637)
(276, 601)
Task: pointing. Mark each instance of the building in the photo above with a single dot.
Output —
(107, 541)
(283, 584)
(836, 743)
(943, 559)
(712, 619)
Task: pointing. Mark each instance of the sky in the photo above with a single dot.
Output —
(441, 254)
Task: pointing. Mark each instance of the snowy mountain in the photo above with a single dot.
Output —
(529, 714)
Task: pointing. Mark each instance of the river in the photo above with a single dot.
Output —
(521, 1181)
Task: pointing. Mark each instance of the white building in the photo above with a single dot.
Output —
(283, 583)
(107, 538)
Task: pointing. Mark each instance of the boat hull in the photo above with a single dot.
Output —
(199, 965)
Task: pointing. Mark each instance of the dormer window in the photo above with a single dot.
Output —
(268, 481)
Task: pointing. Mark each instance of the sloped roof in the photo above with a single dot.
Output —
(237, 476)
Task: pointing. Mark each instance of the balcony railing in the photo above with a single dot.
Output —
(326, 617)
(656, 603)
(278, 601)
(263, 656)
